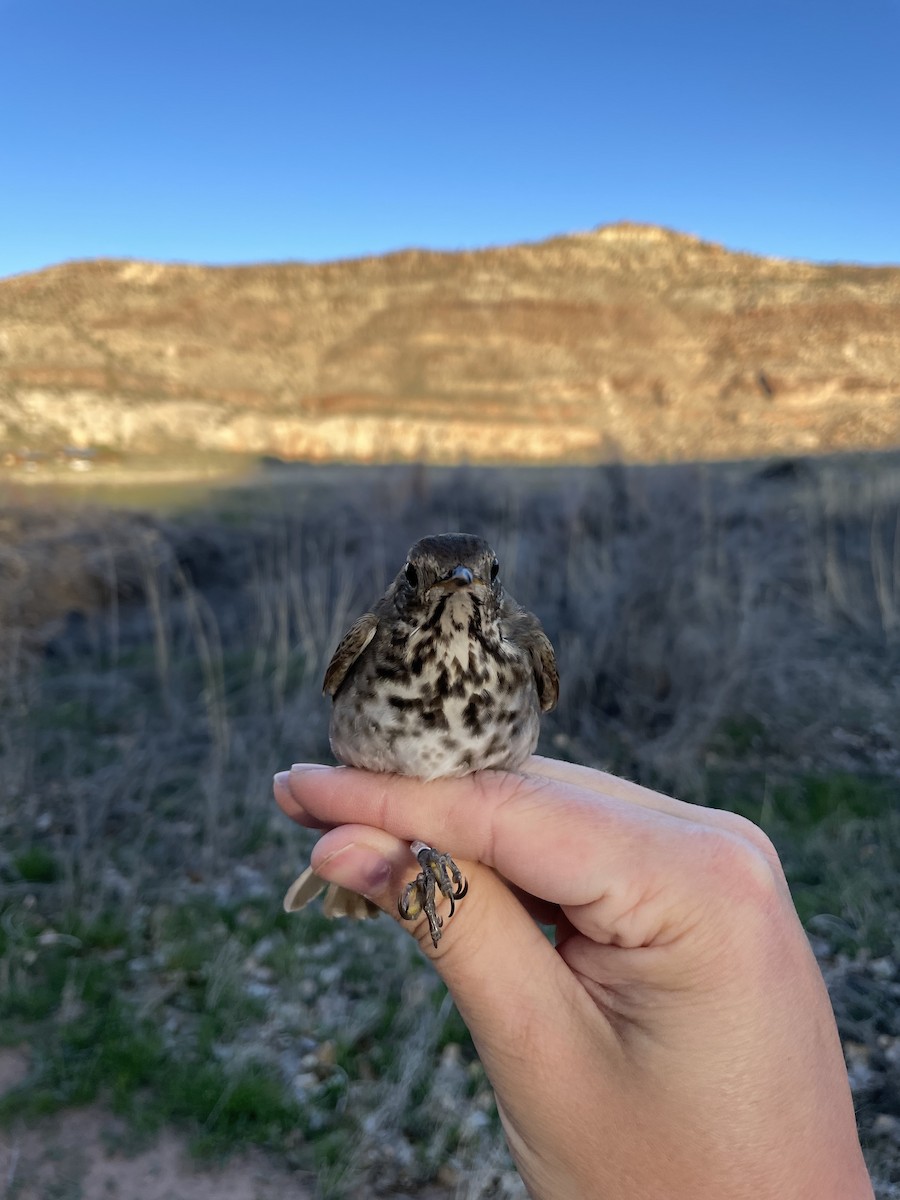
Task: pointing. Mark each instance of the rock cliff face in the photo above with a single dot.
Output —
(628, 342)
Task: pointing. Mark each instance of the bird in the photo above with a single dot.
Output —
(444, 676)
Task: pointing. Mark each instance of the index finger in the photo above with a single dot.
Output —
(558, 840)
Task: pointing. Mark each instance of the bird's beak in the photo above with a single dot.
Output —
(459, 577)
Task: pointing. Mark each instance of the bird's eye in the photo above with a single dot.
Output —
(412, 575)
(495, 570)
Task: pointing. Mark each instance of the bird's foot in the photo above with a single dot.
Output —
(439, 873)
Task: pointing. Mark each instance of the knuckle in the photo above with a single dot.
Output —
(742, 866)
(752, 836)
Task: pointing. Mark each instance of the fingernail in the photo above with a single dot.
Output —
(281, 778)
(357, 867)
(301, 767)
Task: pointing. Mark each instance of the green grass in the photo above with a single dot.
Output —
(153, 1019)
(838, 836)
(74, 1001)
(36, 865)
(803, 803)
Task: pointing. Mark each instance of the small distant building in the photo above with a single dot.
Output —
(78, 458)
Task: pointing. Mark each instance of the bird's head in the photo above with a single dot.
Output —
(447, 565)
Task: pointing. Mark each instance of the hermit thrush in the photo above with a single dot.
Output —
(446, 675)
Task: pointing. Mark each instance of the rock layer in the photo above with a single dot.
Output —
(627, 342)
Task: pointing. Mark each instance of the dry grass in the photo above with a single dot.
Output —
(732, 633)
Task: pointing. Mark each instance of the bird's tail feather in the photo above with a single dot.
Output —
(338, 902)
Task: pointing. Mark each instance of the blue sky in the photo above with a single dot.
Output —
(243, 131)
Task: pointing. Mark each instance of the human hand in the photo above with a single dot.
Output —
(677, 1041)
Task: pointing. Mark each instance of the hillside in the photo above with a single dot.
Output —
(627, 342)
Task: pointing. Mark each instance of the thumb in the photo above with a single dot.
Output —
(504, 975)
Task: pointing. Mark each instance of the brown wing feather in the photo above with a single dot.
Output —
(349, 649)
(546, 674)
(526, 631)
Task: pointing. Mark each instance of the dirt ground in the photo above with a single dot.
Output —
(73, 1157)
(89, 1154)
(83, 1155)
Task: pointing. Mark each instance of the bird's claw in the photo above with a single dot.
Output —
(440, 872)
